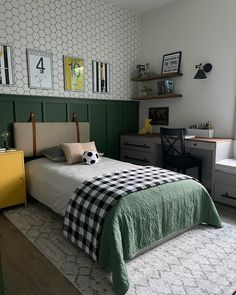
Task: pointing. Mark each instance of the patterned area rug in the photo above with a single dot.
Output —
(201, 261)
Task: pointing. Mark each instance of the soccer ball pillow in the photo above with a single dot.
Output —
(90, 157)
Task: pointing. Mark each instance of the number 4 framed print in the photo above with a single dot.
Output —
(39, 69)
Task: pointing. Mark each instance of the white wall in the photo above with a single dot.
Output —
(85, 28)
(205, 31)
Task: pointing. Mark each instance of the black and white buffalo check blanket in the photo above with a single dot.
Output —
(93, 199)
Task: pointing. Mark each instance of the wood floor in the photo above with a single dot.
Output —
(28, 272)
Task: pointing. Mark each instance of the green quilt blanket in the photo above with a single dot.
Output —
(143, 217)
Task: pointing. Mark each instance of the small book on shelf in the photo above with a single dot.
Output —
(165, 86)
(160, 87)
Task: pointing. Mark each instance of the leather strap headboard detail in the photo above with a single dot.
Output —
(33, 121)
(75, 119)
(48, 134)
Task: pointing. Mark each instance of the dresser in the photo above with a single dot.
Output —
(139, 149)
(12, 179)
(146, 150)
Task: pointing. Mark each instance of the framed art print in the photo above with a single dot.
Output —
(74, 73)
(171, 62)
(159, 116)
(39, 69)
(6, 68)
(101, 77)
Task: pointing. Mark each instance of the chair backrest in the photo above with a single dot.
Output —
(172, 141)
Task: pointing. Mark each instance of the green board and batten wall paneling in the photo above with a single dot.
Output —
(108, 118)
(23, 109)
(130, 117)
(98, 126)
(114, 129)
(54, 112)
(81, 110)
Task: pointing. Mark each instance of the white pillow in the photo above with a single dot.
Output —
(74, 151)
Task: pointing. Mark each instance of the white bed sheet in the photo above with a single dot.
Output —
(53, 183)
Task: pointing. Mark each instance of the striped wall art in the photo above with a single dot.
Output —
(6, 72)
(101, 77)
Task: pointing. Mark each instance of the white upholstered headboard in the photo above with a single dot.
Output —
(48, 135)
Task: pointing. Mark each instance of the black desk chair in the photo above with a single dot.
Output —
(173, 151)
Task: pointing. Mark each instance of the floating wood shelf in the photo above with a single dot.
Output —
(163, 96)
(157, 77)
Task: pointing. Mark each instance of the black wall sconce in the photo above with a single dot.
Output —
(202, 70)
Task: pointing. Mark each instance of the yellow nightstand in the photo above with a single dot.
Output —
(12, 179)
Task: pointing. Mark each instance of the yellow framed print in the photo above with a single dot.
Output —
(74, 73)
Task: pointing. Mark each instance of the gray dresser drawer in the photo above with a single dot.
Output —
(137, 157)
(138, 143)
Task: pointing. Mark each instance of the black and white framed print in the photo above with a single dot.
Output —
(171, 62)
(101, 77)
(6, 68)
(39, 69)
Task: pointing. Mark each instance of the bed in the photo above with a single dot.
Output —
(136, 221)
(58, 180)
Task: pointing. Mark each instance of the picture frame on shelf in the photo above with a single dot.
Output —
(140, 71)
(169, 86)
(101, 77)
(159, 116)
(40, 70)
(171, 62)
(6, 65)
(74, 73)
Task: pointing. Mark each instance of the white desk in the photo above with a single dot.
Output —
(146, 150)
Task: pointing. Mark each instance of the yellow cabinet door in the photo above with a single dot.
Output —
(12, 179)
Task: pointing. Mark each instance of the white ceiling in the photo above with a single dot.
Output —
(139, 6)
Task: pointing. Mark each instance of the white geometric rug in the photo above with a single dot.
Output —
(198, 262)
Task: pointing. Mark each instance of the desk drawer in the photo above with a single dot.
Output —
(137, 157)
(199, 145)
(225, 178)
(138, 143)
(225, 192)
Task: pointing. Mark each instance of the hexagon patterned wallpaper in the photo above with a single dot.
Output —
(86, 28)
